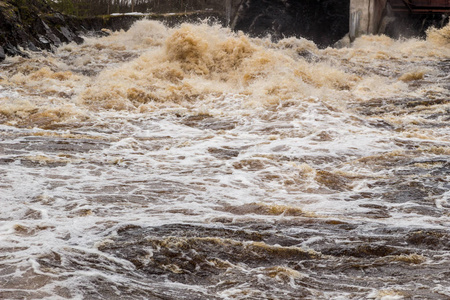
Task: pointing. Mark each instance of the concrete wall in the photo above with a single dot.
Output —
(365, 17)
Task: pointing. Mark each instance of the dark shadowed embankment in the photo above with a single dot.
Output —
(33, 25)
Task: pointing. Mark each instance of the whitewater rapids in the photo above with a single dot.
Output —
(198, 163)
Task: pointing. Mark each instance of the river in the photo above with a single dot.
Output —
(198, 163)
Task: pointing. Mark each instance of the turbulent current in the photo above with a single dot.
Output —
(197, 163)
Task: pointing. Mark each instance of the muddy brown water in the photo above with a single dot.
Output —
(197, 163)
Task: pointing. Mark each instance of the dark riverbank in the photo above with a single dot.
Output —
(34, 25)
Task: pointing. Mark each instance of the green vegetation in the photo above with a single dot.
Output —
(7, 10)
(65, 6)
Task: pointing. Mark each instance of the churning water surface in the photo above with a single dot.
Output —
(198, 163)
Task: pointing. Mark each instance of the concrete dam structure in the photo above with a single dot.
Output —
(370, 16)
(365, 17)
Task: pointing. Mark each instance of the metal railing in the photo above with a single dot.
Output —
(421, 6)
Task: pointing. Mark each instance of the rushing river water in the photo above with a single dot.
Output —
(197, 163)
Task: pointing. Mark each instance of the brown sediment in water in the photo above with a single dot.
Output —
(412, 76)
(439, 37)
(267, 209)
(29, 114)
(195, 63)
(225, 166)
(152, 64)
